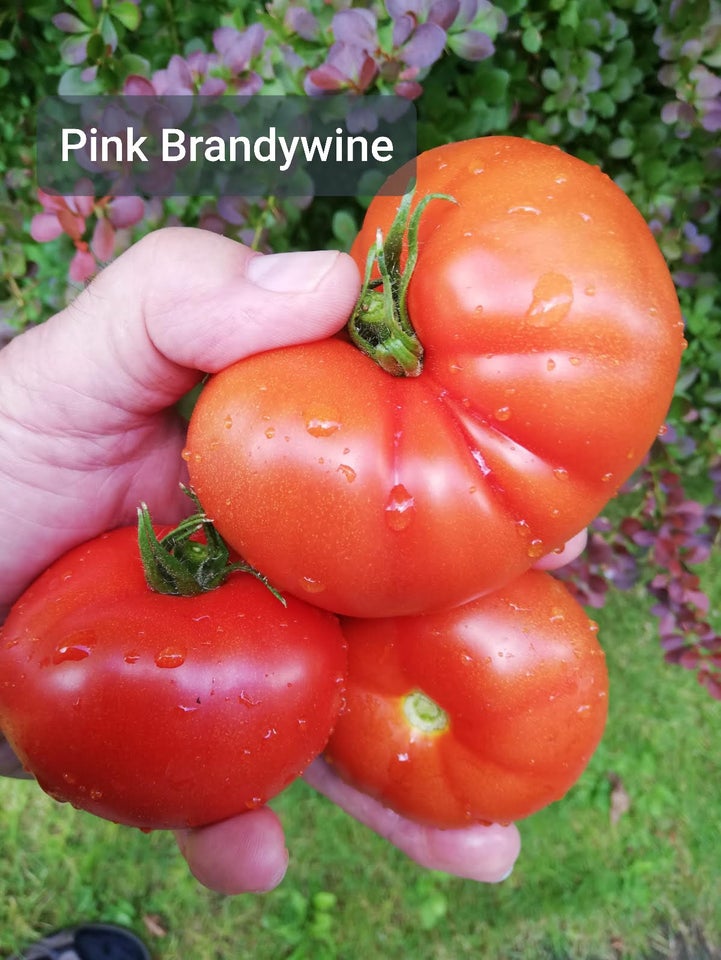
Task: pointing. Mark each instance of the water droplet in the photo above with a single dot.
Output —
(348, 472)
(270, 732)
(606, 478)
(400, 508)
(184, 708)
(71, 651)
(552, 299)
(480, 460)
(312, 586)
(270, 433)
(247, 700)
(684, 343)
(95, 794)
(467, 233)
(186, 454)
(321, 426)
(228, 422)
(550, 364)
(586, 217)
(557, 615)
(474, 169)
(662, 430)
(536, 549)
(503, 413)
(402, 757)
(590, 290)
(170, 657)
(593, 627)
(442, 165)
(69, 778)
(560, 473)
(575, 361)
(559, 179)
(454, 367)
(132, 656)
(478, 310)
(524, 208)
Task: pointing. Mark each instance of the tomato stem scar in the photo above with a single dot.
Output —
(425, 714)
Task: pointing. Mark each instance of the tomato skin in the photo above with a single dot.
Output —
(160, 711)
(552, 338)
(523, 681)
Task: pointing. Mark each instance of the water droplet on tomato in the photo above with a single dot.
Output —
(606, 478)
(132, 656)
(550, 364)
(95, 794)
(480, 460)
(525, 208)
(170, 657)
(559, 179)
(478, 310)
(475, 170)
(270, 433)
(70, 652)
(228, 422)
(348, 472)
(586, 217)
(557, 615)
(400, 508)
(503, 413)
(321, 426)
(310, 585)
(575, 361)
(536, 549)
(662, 430)
(590, 290)
(552, 299)
(560, 473)
(186, 454)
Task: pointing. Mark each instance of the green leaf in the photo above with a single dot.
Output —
(7, 50)
(85, 10)
(72, 84)
(127, 13)
(96, 47)
(344, 228)
(531, 39)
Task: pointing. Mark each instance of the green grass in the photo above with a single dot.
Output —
(583, 888)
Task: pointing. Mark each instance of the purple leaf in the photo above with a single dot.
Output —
(69, 23)
(126, 211)
(444, 12)
(356, 27)
(425, 46)
(45, 227)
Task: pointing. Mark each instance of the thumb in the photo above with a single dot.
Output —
(178, 302)
(213, 301)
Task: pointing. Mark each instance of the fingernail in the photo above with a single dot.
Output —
(291, 272)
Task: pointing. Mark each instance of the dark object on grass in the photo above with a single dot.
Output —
(89, 941)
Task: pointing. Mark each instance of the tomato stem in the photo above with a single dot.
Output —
(177, 565)
(380, 325)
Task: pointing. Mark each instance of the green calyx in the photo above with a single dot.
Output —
(179, 566)
(380, 325)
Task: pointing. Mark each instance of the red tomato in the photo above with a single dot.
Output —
(552, 338)
(487, 712)
(163, 711)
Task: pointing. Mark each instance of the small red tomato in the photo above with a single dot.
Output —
(163, 711)
(487, 712)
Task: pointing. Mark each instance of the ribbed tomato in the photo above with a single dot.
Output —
(551, 337)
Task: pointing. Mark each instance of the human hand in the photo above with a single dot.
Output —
(88, 430)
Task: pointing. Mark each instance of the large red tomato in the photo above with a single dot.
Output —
(164, 711)
(487, 712)
(552, 337)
